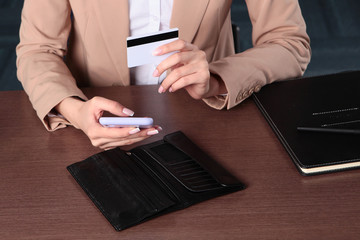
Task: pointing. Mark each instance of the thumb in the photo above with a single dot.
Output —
(103, 104)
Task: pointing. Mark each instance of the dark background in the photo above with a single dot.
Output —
(333, 26)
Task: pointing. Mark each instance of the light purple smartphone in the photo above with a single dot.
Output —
(140, 122)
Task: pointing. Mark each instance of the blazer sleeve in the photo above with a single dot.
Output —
(281, 50)
(44, 31)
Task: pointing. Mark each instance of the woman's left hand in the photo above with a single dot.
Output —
(189, 69)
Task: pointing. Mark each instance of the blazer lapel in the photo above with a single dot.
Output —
(187, 16)
(113, 18)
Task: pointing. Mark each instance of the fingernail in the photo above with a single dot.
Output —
(159, 128)
(170, 89)
(156, 52)
(152, 132)
(128, 112)
(156, 73)
(161, 89)
(135, 130)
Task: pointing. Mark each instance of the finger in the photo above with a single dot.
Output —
(177, 45)
(98, 131)
(178, 74)
(177, 59)
(111, 106)
(107, 149)
(125, 142)
(111, 143)
(188, 82)
(104, 141)
(118, 134)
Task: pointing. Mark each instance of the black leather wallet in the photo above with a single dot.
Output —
(151, 180)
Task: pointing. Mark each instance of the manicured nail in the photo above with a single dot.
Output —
(156, 52)
(170, 89)
(156, 73)
(161, 89)
(159, 128)
(152, 132)
(128, 112)
(135, 130)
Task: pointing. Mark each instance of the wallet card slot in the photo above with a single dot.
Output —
(149, 188)
(187, 171)
(199, 178)
(143, 161)
(192, 172)
(182, 167)
(188, 161)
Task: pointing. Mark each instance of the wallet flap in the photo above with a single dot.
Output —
(123, 191)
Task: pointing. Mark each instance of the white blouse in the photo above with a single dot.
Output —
(147, 16)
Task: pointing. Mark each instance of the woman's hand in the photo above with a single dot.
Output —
(85, 116)
(190, 69)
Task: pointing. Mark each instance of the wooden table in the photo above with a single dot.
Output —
(40, 200)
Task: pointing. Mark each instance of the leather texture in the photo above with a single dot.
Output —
(151, 180)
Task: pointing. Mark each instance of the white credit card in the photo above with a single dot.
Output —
(140, 48)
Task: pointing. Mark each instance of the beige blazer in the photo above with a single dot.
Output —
(95, 52)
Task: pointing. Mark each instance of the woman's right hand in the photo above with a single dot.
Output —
(85, 116)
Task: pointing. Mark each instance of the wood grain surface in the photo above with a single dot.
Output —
(40, 200)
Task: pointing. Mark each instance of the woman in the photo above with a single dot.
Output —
(66, 44)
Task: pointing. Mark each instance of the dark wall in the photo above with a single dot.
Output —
(10, 11)
(334, 30)
(333, 26)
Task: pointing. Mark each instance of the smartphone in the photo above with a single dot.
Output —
(140, 122)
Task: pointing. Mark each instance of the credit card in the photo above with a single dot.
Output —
(140, 48)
